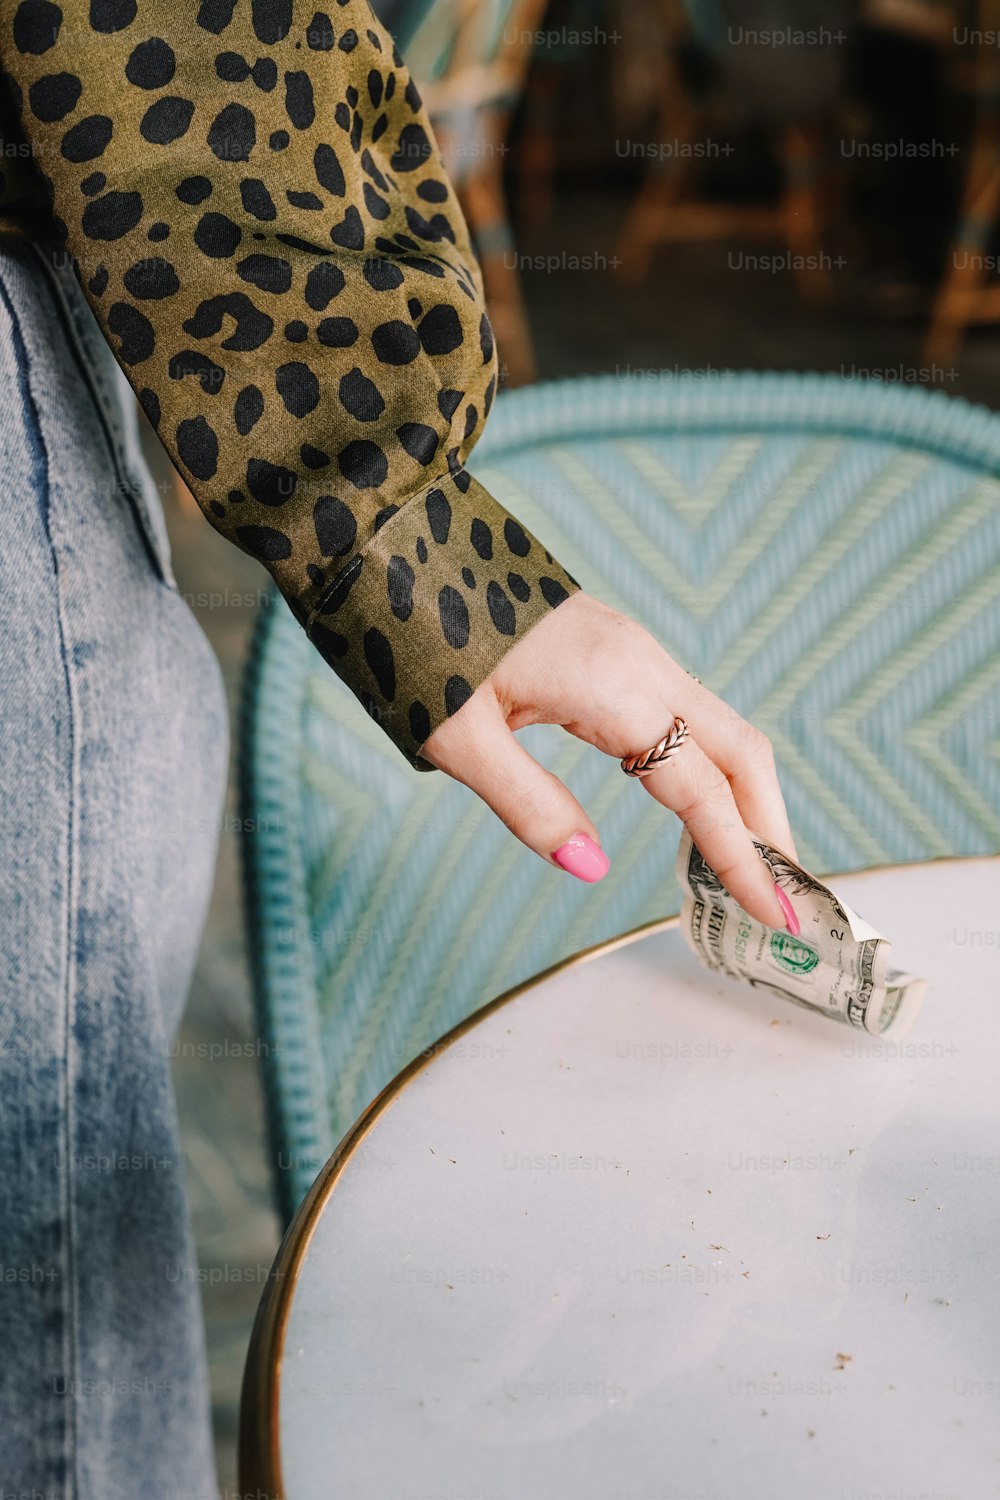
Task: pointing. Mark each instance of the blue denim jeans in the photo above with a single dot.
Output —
(113, 746)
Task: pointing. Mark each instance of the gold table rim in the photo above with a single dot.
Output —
(260, 1404)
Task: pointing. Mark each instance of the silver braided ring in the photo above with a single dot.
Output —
(648, 761)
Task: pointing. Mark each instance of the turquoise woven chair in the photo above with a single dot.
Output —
(825, 555)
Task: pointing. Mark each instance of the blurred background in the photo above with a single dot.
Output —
(655, 187)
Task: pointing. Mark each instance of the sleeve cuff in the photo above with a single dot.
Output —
(417, 619)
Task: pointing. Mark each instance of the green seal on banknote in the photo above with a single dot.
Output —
(792, 955)
(842, 972)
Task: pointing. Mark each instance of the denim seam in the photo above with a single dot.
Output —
(78, 338)
(70, 1338)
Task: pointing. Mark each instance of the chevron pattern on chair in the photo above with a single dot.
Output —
(824, 555)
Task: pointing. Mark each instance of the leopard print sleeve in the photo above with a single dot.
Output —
(258, 214)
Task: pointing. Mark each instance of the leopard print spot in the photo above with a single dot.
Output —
(166, 121)
(198, 447)
(433, 229)
(482, 539)
(87, 139)
(151, 279)
(486, 338)
(363, 464)
(323, 283)
(552, 592)
(134, 331)
(211, 376)
(36, 26)
(265, 542)
(382, 275)
(253, 327)
(413, 149)
(217, 236)
(332, 645)
(441, 330)
(329, 172)
(298, 388)
(395, 343)
(232, 135)
(215, 15)
(419, 440)
(150, 403)
(303, 200)
(194, 190)
(360, 396)
(272, 20)
(257, 200)
(350, 232)
(268, 272)
(151, 64)
(400, 579)
(438, 515)
(456, 692)
(376, 206)
(54, 97)
(270, 484)
(319, 33)
(299, 104)
(336, 528)
(337, 333)
(378, 655)
(501, 610)
(232, 67)
(420, 721)
(265, 74)
(112, 15)
(248, 409)
(514, 536)
(454, 616)
(432, 191)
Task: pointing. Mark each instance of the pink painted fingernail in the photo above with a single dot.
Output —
(791, 920)
(581, 857)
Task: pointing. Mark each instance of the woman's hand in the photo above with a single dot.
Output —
(605, 679)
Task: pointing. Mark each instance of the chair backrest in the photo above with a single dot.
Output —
(824, 554)
(403, 18)
(472, 54)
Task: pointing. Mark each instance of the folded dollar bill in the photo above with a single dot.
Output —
(838, 965)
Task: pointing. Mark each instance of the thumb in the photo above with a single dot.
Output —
(476, 747)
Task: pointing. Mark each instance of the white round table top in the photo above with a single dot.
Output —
(640, 1233)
